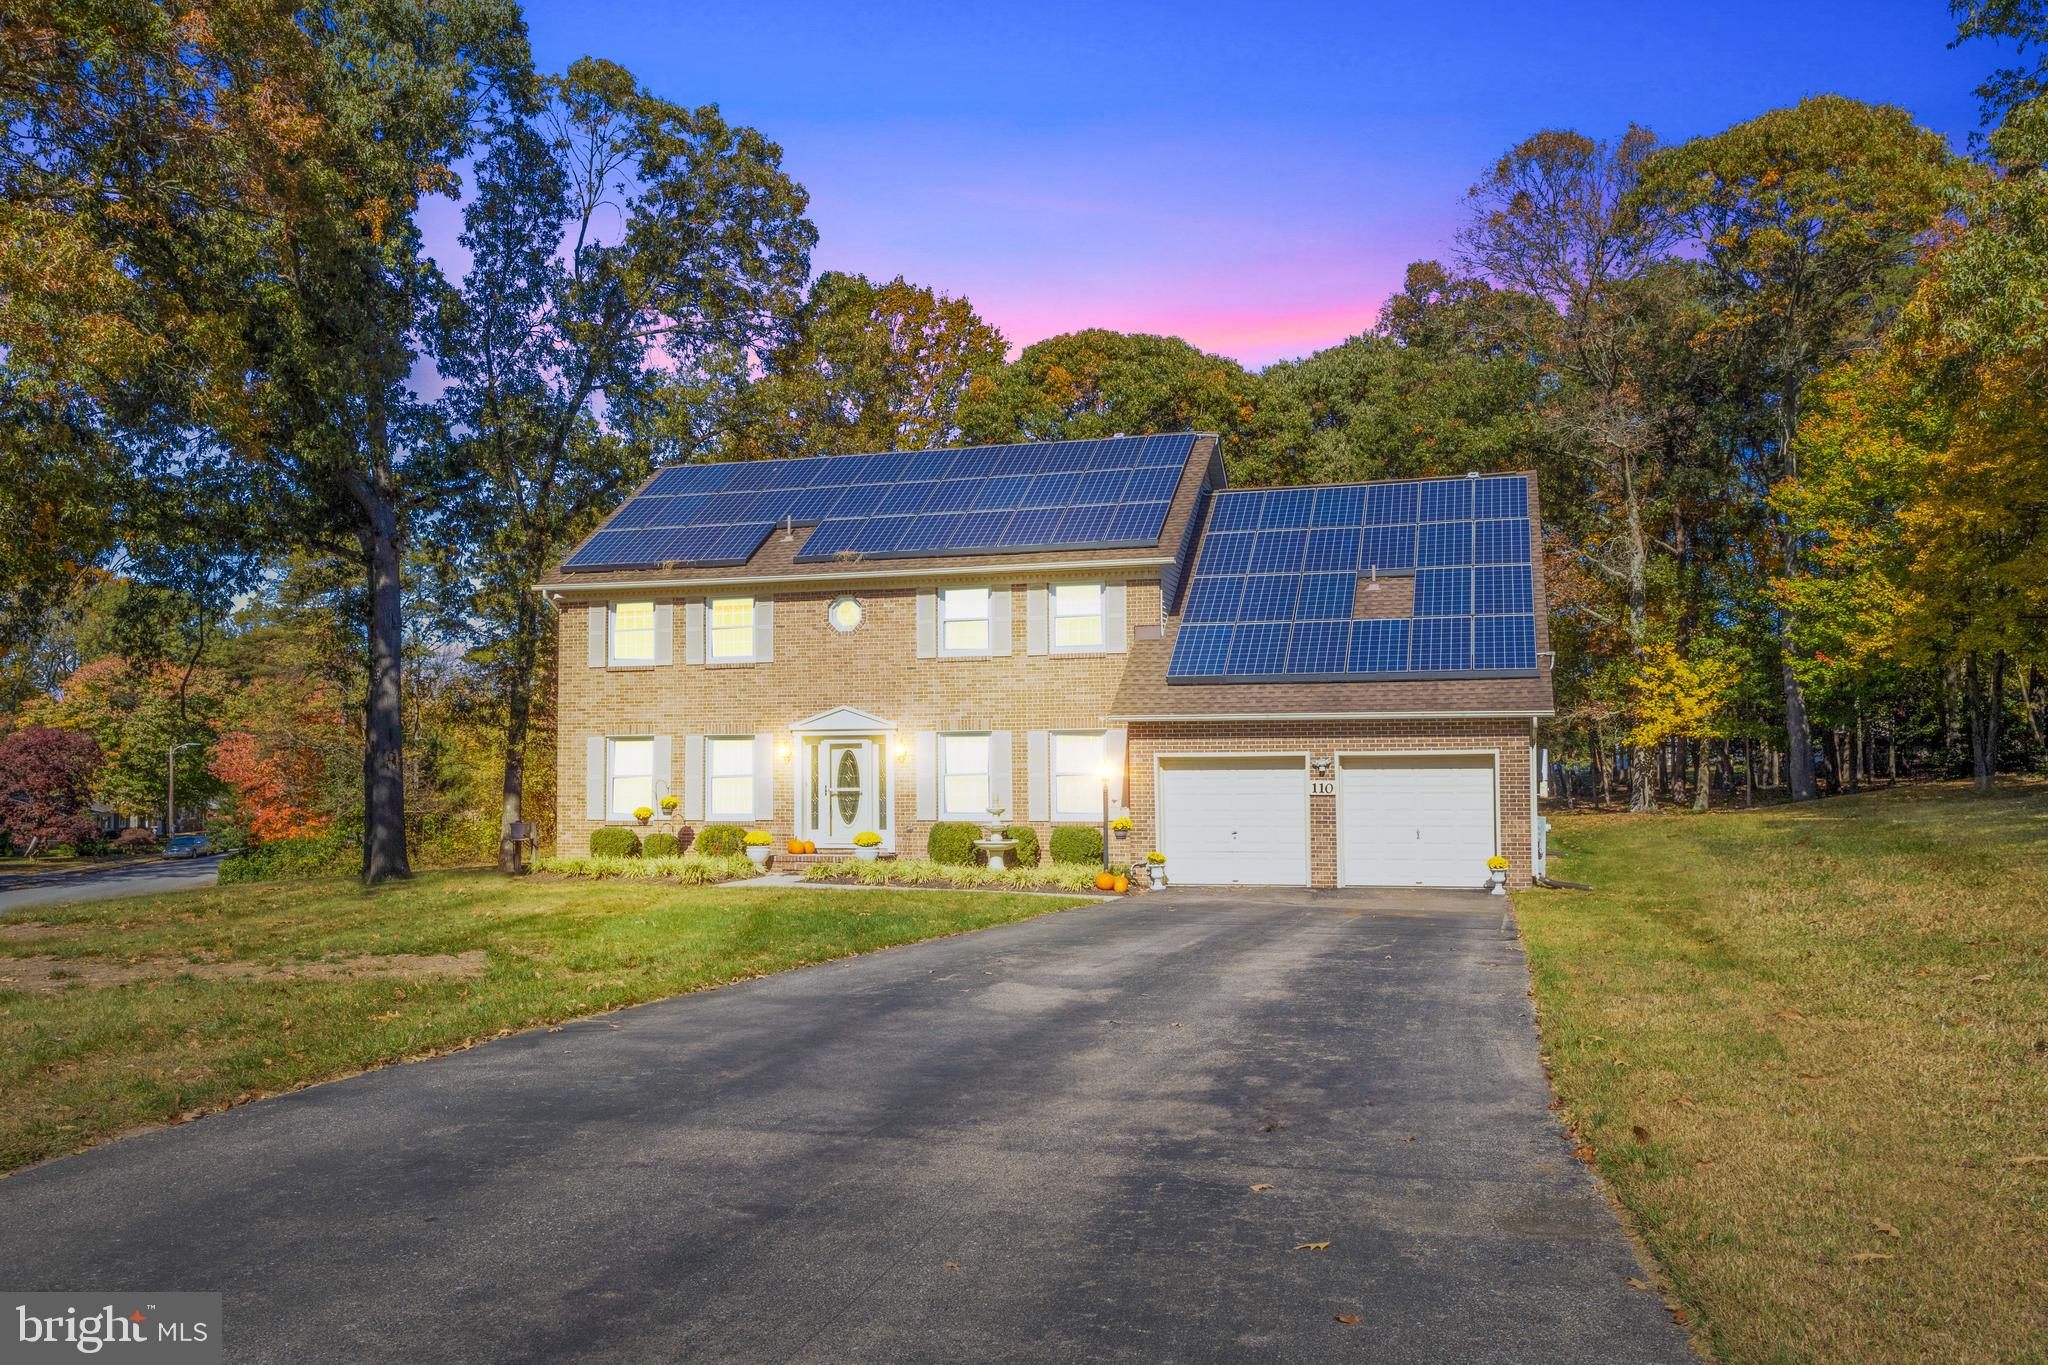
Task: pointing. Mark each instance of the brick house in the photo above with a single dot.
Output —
(1321, 686)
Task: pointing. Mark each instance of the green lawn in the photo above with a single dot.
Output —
(1808, 1048)
(150, 1009)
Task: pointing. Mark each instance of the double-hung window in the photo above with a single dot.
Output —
(633, 632)
(1077, 775)
(729, 777)
(1077, 618)
(963, 771)
(731, 628)
(630, 777)
(964, 621)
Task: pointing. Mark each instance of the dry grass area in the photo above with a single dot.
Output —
(125, 1012)
(1808, 1049)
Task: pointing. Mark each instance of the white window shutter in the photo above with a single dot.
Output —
(664, 633)
(764, 630)
(764, 772)
(598, 616)
(1001, 793)
(926, 745)
(927, 623)
(693, 631)
(664, 770)
(1034, 619)
(593, 777)
(999, 620)
(1115, 618)
(1037, 776)
(1114, 742)
(693, 777)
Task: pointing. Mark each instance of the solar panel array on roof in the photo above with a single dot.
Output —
(1274, 586)
(979, 500)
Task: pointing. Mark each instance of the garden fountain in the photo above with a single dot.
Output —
(994, 842)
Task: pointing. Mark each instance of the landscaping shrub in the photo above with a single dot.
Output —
(1026, 854)
(134, 840)
(659, 845)
(952, 843)
(1077, 844)
(691, 869)
(285, 860)
(718, 841)
(923, 871)
(614, 843)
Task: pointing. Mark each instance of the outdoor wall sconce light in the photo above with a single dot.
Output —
(782, 749)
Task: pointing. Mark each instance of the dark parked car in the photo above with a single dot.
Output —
(188, 846)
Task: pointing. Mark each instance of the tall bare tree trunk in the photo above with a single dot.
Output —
(384, 852)
(1984, 719)
(1702, 776)
(1748, 772)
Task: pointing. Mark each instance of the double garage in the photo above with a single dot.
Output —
(1401, 820)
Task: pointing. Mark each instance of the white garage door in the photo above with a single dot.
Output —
(1234, 820)
(1415, 821)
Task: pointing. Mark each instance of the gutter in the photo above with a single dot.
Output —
(927, 571)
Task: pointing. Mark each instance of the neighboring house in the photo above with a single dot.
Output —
(1302, 686)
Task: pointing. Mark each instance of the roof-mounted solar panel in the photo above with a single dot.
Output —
(1274, 593)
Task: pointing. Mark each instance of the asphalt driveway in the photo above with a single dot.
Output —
(1038, 1142)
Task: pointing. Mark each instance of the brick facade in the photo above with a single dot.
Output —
(1508, 738)
(816, 668)
(876, 669)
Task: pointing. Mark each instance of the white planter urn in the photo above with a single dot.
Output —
(867, 853)
(1158, 875)
(1496, 883)
(760, 853)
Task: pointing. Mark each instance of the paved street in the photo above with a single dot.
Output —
(121, 879)
(1037, 1142)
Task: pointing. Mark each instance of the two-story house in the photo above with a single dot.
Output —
(1323, 686)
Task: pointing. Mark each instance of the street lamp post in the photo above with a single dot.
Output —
(171, 786)
(1106, 771)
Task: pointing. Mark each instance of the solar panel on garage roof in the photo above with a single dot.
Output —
(981, 500)
(1272, 592)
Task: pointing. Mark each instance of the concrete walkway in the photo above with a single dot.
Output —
(1197, 1126)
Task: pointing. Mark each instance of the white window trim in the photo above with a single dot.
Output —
(611, 776)
(987, 618)
(612, 658)
(712, 777)
(711, 629)
(1052, 620)
(1062, 815)
(948, 811)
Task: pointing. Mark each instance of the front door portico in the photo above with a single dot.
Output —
(842, 777)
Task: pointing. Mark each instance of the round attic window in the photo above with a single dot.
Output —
(845, 615)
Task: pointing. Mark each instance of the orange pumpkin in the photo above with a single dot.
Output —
(1104, 882)
(810, 847)
(1121, 885)
(795, 846)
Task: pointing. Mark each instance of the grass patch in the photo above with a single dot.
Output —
(1808, 1049)
(225, 995)
(925, 872)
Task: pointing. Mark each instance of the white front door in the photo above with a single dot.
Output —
(1416, 821)
(1225, 821)
(847, 779)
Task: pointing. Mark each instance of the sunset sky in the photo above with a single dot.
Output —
(1252, 177)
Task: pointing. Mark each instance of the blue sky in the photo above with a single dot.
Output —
(1251, 177)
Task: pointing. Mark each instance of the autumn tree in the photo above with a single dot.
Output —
(1811, 220)
(1101, 383)
(868, 367)
(616, 240)
(251, 174)
(46, 780)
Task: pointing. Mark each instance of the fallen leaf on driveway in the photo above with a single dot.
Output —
(1259, 1188)
(1866, 1257)
(1886, 1228)
(1349, 1319)
(1312, 1246)
(1634, 1283)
